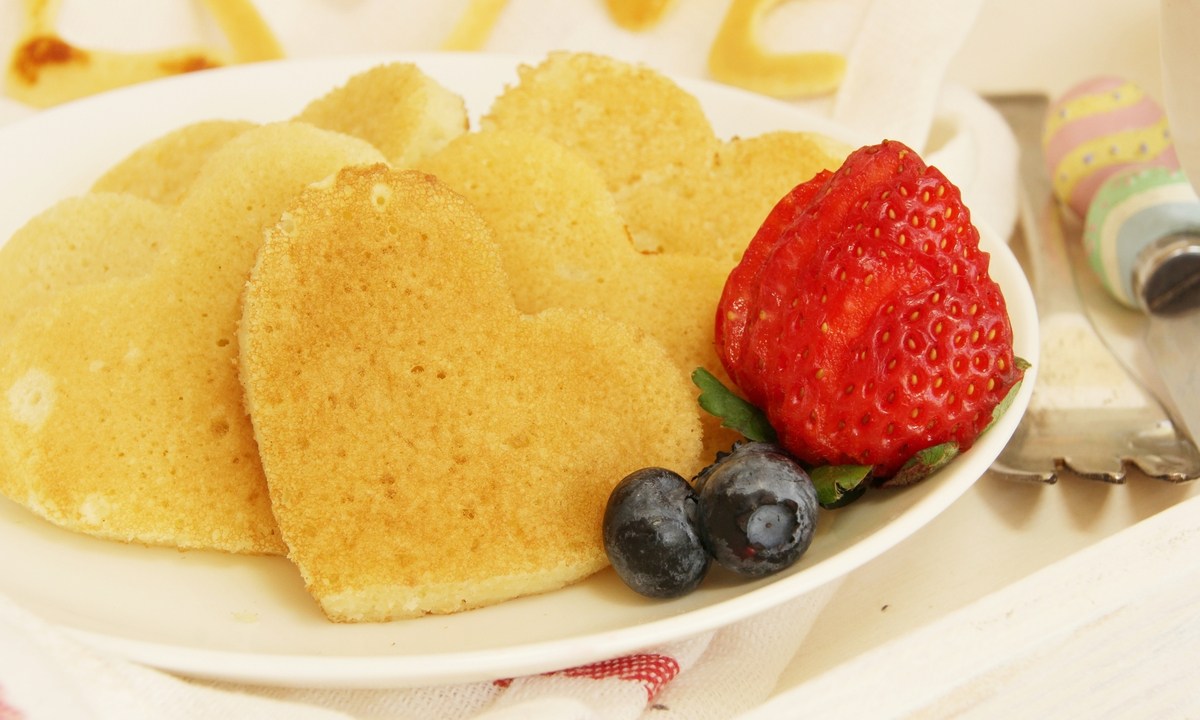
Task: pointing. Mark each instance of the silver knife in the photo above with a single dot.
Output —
(1142, 236)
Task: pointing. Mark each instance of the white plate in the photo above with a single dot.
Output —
(247, 618)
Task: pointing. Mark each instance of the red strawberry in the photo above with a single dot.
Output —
(862, 319)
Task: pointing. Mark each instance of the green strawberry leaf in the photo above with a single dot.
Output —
(1003, 405)
(840, 485)
(923, 464)
(735, 413)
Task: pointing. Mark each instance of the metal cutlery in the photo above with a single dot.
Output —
(1087, 415)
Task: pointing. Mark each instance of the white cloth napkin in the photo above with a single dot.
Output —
(894, 87)
(47, 673)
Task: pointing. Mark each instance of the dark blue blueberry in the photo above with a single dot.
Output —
(650, 534)
(758, 509)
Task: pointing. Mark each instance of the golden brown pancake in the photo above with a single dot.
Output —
(444, 385)
(428, 447)
(395, 107)
(627, 119)
(163, 169)
(563, 244)
(713, 210)
(78, 241)
(123, 413)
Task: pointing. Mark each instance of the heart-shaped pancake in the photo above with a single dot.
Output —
(164, 169)
(396, 107)
(680, 189)
(564, 244)
(626, 118)
(712, 209)
(83, 240)
(120, 407)
(428, 447)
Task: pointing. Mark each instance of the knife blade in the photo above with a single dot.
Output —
(1172, 343)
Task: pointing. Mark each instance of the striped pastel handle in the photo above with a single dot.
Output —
(1099, 128)
(1132, 212)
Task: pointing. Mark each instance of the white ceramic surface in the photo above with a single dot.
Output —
(249, 619)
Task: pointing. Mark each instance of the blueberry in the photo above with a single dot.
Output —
(758, 510)
(650, 534)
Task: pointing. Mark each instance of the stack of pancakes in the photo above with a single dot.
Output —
(412, 356)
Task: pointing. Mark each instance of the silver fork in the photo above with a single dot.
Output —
(1087, 414)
